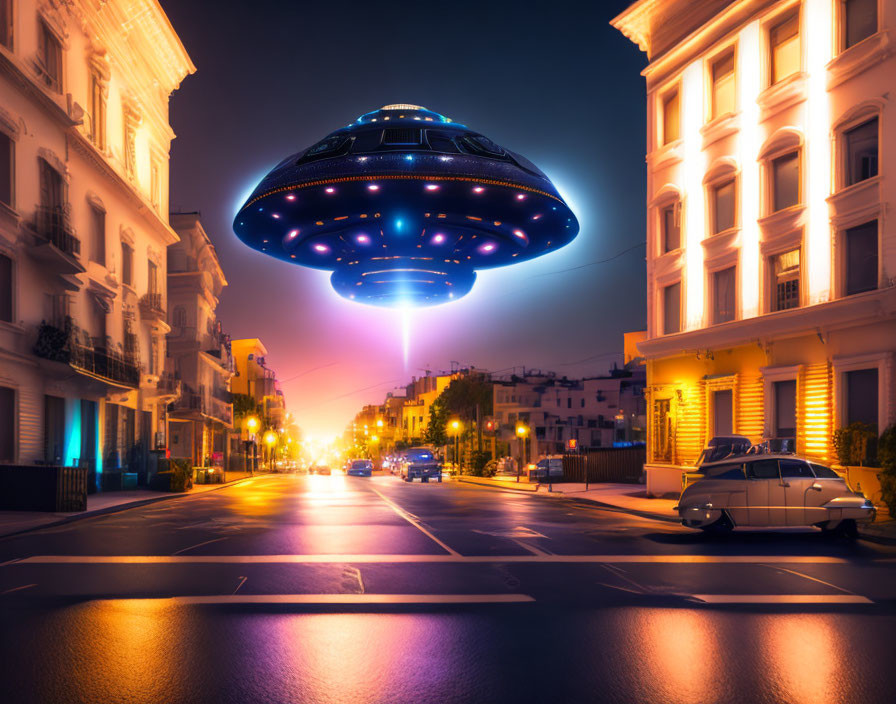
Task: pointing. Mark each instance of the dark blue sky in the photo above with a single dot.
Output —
(550, 80)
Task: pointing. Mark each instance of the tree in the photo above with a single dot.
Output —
(244, 405)
(436, 434)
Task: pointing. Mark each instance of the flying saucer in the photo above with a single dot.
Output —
(403, 206)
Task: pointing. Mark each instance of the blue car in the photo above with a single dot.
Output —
(359, 468)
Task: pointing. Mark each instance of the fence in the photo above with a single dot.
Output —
(43, 488)
(610, 464)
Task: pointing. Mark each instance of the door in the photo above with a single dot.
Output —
(797, 480)
(54, 429)
(723, 412)
(765, 495)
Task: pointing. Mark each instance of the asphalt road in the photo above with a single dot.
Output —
(336, 589)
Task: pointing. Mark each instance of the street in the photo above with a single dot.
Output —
(336, 589)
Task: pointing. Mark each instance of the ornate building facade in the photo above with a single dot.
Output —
(84, 145)
(771, 245)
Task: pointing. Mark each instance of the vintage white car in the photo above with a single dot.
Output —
(766, 490)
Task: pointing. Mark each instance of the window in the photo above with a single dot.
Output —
(723, 94)
(861, 152)
(784, 45)
(7, 424)
(671, 118)
(179, 318)
(859, 21)
(785, 408)
(672, 309)
(152, 277)
(723, 207)
(723, 295)
(786, 285)
(785, 181)
(795, 469)
(127, 264)
(861, 258)
(97, 112)
(723, 412)
(5, 290)
(669, 221)
(762, 469)
(823, 472)
(7, 168)
(861, 396)
(98, 226)
(155, 184)
(6, 33)
(51, 186)
(49, 53)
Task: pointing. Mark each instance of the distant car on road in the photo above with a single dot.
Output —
(551, 466)
(359, 468)
(419, 462)
(320, 469)
(768, 490)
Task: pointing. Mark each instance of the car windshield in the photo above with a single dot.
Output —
(724, 471)
(416, 455)
(360, 464)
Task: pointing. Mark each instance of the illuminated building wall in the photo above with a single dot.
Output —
(84, 111)
(788, 100)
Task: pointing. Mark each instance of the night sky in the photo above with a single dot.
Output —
(552, 81)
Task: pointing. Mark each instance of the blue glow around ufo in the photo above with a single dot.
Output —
(403, 206)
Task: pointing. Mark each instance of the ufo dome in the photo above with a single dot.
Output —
(403, 206)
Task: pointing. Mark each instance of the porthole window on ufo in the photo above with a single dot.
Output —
(403, 220)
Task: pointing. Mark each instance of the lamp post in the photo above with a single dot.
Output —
(521, 432)
(455, 430)
(252, 426)
(270, 438)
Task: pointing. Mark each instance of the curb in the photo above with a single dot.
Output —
(510, 487)
(119, 508)
(623, 509)
(879, 539)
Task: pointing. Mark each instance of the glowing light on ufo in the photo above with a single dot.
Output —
(433, 190)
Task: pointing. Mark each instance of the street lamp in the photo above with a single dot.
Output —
(270, 438)
(252, 426)
(521, 432)
(455, 430)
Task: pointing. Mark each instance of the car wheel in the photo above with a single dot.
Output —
(721, 526)
(425, 480)
(440, 479)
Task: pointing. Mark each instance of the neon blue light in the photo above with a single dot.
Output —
(398, 225)
(99, 447)
(73, 432)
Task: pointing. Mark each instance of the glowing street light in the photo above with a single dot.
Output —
(522, 432)
(455, 426)
(270, 438)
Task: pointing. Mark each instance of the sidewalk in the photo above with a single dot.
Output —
(632, 498)
(13, 522)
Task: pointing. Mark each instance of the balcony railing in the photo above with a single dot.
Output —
(53, 224)
(68, 344)
(222, 394)
(151, 306)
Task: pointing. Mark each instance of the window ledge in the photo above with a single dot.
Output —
(783, 220)
(859, 58)
(790, 91)
(9, 216)
(854, 191)
(720, 127)
(667, 155)
(12, 327)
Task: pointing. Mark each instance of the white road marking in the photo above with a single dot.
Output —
(350, 599)
(18, 589)
(531, 548)
(422, 559)
(410, 519)
(198, 545)
(781, 599)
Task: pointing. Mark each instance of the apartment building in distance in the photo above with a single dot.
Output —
(84, 145)
(199, 357)
(771, 244)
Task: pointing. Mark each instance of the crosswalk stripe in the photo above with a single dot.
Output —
(422, 559)
(781, 599)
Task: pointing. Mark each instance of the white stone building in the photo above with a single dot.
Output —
(84, 145)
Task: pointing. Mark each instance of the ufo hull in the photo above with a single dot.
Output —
(403, 206)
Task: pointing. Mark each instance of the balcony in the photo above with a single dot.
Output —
(55, 244)
(197, 406)
(69, 344)
(151, 307)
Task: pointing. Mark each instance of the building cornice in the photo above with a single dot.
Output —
(12, 68)
(852, 311)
